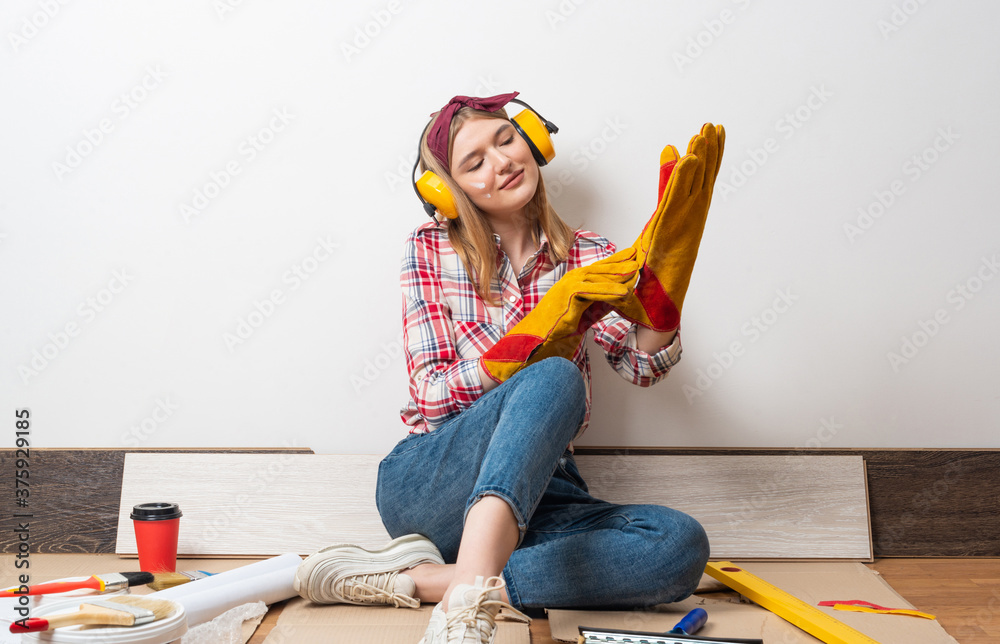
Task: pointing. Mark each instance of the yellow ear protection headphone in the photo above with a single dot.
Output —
(533, 128)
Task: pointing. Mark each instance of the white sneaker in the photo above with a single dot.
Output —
(471, 616)
(349, 574)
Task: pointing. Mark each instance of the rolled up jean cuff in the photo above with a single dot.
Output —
(508, 498)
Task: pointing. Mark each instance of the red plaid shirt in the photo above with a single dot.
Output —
(446, 326)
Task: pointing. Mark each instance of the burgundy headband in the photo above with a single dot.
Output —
(437, 138)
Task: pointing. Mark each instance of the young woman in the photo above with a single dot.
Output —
(483, 496)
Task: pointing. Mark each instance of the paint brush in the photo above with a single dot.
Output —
(109, 582)
(116, 611)
(105, 583)
(166, 580)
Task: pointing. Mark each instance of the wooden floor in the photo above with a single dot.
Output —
(964, 594)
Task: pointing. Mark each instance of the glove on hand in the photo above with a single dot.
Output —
(558, 324)
(668, 245)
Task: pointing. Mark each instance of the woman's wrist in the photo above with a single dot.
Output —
(488, 382)
(650, 341)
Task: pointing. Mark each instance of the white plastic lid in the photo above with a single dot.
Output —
(170, 628)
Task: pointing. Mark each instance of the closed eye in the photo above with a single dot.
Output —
(480, 163)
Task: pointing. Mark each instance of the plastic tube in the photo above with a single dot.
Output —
(268, 581)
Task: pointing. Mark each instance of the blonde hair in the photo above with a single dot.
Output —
(470, 233)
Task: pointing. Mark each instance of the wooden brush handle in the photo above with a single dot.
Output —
(93, 615)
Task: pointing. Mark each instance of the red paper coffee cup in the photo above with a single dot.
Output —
(156, 527)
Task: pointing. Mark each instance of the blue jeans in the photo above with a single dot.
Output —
(574, 551)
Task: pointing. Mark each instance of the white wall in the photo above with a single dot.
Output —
(103, 247)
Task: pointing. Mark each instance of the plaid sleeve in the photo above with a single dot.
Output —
(617, 336)
(441, 384)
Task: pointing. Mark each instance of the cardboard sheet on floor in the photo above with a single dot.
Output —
(728, 616)
(49, 567)
(752, 507)
(305, 623)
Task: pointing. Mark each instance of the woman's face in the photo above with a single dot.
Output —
(494, 166)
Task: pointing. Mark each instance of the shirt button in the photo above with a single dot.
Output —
(512, 299)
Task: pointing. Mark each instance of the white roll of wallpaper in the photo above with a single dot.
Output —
(268, 581)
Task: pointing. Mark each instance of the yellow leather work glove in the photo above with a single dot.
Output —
(668, 245)
(558, 324)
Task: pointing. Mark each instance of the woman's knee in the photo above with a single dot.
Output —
(558, 379)
(679, 550)
(561, 370)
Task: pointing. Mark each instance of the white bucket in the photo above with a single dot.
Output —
(170, 628)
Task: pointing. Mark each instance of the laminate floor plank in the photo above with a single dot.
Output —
(256, 504)
(753, 507)
(923, 502)
(75, 496)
